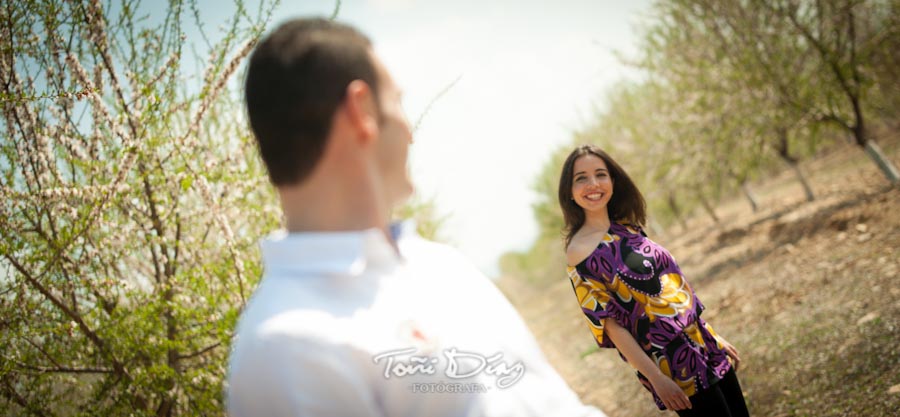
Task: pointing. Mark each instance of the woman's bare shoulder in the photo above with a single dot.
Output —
(581, 246)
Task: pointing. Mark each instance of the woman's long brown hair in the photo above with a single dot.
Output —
(626, 205)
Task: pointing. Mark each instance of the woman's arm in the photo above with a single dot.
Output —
(732, 353)
(667, 390)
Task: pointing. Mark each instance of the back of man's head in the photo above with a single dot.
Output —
(296, 79)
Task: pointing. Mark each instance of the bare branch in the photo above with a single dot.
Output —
(201, 351)
(73, 315)
(64, 370)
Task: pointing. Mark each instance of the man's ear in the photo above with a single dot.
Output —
(362, 112)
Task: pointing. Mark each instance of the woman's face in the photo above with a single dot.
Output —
(592, 186)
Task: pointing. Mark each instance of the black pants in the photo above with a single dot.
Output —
(724, 399)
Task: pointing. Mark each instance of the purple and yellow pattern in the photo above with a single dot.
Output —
(637, 283)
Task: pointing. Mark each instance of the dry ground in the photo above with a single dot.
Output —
(808, 292)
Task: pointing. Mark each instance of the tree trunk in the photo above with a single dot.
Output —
(708, 208)
(750, 197)
(167, 404)
(782, 147)
(674, 207)
(802, 178)
(884, 164)
(872, 149)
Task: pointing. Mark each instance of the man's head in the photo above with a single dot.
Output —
(312, 79)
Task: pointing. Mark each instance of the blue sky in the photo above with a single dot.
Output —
(531, 73)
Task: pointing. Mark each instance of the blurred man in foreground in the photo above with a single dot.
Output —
(355, 316)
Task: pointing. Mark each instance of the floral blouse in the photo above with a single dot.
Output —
(636, 282)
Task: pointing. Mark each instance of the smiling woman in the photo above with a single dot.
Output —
(593, 185)
(618, 273)
(587, 172)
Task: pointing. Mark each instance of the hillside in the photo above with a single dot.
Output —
(808, 292)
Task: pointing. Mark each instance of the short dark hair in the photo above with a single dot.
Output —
(296, 78)
(626, 205)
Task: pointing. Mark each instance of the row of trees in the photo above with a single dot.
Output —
(733, 90)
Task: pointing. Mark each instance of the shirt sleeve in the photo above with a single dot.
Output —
(597, 305)
(295, 376)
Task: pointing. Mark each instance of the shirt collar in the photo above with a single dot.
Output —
(345, 252)
(403, 230)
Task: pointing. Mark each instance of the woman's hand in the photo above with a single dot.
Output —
(732, 353)
(670, 393)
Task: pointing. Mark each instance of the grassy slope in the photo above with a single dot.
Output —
(808, 292)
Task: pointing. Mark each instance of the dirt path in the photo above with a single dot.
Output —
(808, 292)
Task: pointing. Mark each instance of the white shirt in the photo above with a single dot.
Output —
(343, 325)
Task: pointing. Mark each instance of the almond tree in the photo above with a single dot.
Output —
(845, 34)
(745, 74)
(815, 60)
(131, 199)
